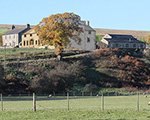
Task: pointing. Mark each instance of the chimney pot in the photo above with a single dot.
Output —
(88, 23)
(28, 25)
(13, 27)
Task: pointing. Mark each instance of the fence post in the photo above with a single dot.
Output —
(102, 101)
(82, 93)
(138, 101)
(91, 94)
(1, 101)
(34, 102)
(54, 94)
(68, 100)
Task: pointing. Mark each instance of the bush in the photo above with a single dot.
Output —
(90, 88)
(2, 83)
(61, 77)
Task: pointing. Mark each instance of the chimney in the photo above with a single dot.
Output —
(28, 25)
(88, 23)
(13, 27)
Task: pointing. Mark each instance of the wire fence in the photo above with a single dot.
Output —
(73, 101)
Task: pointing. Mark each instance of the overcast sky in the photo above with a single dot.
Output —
(110, 14)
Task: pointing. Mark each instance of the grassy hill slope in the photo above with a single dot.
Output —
(31, 69)
(3, 31)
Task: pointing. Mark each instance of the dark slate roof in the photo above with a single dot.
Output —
(122, 38)
(15, 31)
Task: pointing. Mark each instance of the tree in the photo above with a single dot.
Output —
(1, 40)
(58, 29)
(1, 78)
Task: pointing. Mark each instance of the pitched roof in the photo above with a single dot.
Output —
(15, 31)
(88, 28)
(122, 38)
(31, 31)
(117, 36)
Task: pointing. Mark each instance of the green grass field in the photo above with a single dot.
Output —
(3, 31)
(115, 107)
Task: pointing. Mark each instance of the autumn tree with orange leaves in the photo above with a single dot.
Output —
(58, 29)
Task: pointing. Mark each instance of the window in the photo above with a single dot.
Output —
(116, 45)
(111, 45)
(134, 45)
(127, 45)
(31, 42)
(141, 46)
(36, 42)
(30, 35)
(88, 39)
(89, 32)
(9, 36)
(9, 44)
(5, 37)
(27, 42)
(14, 36)
(24, 43)
(24, 35)
(13, 43)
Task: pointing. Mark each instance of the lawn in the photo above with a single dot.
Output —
(3, 31)
(115, 107)
(73, 115)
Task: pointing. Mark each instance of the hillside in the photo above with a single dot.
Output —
(99, 31)
(31, 69)
(3, 31)
(135, 33)
(5, 26)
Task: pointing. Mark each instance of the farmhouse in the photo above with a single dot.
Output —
(13, 37)
(88, 38)
(30, 39)
(120, 41)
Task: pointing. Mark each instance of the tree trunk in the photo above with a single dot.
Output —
(59, 52)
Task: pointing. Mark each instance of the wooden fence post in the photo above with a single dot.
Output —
(54, 94)
(82, 93)
(1, 101)
(91, 94)
(138, 101)
(34, 102)
(68, 100)
(102, 101)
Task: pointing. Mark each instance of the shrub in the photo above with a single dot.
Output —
(2, 83)
(90, 88)
(61, 77)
